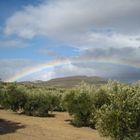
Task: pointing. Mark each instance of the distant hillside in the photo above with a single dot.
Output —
(67, 82)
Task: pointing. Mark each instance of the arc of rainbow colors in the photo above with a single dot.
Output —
(31, 70)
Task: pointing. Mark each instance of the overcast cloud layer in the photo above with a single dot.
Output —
(105, 32)
(62, 18)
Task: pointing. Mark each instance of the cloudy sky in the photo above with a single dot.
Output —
(44, 39)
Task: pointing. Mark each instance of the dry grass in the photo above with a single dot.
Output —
(21, 127)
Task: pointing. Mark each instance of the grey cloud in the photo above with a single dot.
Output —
(126, 55)
(85, 24)
(89, 68)
(113, 71)
(105, 70)
(71, 70)
(104, 39)
(62, 18)
(48, 52)
(80, 23)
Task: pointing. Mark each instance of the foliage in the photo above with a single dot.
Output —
(16, 97)
(37, 105)
(31, 100)
(113, 108)
(120, 119)
(2, 96)
(79, 103)
(101, 97)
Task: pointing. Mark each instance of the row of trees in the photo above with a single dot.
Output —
(113, 109)
(30, 100)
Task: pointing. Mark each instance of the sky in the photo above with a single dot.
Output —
(45, 39)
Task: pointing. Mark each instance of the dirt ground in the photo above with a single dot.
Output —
(21, 127)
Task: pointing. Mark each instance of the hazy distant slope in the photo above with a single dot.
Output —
(67, 82)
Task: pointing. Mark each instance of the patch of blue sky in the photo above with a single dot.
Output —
(42, 43)
(64, 50)
(32, 47)
(8, 7)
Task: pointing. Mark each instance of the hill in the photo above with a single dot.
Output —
(68, 82)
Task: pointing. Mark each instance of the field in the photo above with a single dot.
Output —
(21, 127)
(113, 109)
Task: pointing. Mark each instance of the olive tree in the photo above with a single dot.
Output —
(120, 119)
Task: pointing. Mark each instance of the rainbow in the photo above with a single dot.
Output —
(31, 70)
(61, 62)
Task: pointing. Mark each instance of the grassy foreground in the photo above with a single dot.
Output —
(21, 127)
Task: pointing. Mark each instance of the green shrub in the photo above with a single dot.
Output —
(37, 105)
(15, 97)
(100, 98)
(120, 119)
(3, 98)
(79, 103)
(31, 100)
(57, 102)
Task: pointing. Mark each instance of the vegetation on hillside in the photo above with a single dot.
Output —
(68, 82)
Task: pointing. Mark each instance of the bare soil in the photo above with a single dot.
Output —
(20, 127)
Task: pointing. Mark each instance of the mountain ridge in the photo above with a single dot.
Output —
(71, 81)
